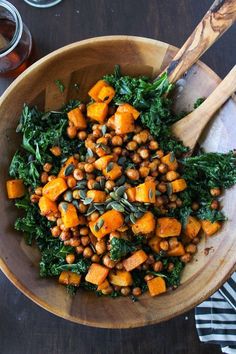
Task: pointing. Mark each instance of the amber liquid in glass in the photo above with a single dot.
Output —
(15, 62)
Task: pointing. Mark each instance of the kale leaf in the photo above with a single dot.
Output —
(121, 247)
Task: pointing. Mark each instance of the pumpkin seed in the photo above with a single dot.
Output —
(87, 201)
(104, 129)
(125, 196)
(97, 185)
(120, 191)
(99, 207)
(169, 189)
(127, 203)
(81, 184)
(90, 210)
(127, 219)
(158, 193)
(113, 195)
(69, 169)
(64, 206)
(75, 203)
(118, 207)
(138, 215)
(99, 223)
(102, 183)
(150, 194)
(120, 181)
(132, 218)
(121, 160)
(172, 156)
(89, 152)
(82, 193)
(68, 196)
(110, 166)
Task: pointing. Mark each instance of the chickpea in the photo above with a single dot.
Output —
(132, 174)
(71, 132)
(170, 267)
(173, 242)
(137, 138)
(34, 198)
(101, 247)
(65, 235)
(85, 240)
(90, 183)
(195, 206)
(55, 231)
(107, 291)
(74, 242)
(137, 291)
(144, 171)
(125, 291)
(191, 248)
(154, 174)
(162, 168)
(162, 187)
(157, 266)
(137, 129)
(150, 259)
(90, 159)
(215, 192)
(56, 150)
(90, 176)
(38, 191)
(153, 165)
(148, 277)
(171, 176)
(178, 202)
(159, 153)
(95, 258)
(71, 182)
(88, 253)
(94, 216)
(124, 152)
(79, 249)
(82, 135)
(97, 133)
(215, 204)
(83, 208)
(186, 258)
(164, 245)
(172, 205)
(51, 178)
(173, 197)
(136, 158)
(77, 156)
(144, 153)
(102, 140)
(132, 145)
(67, 242)
(59, 222)
(78, 174)
(63, 228)
(117, 150)
(159, 201)
(117, 140)
(76, 194)
(153, 145)
(95, 126)
(44, 177)
(82, 107)
(115, 234)
(89, 167)
(70, 258)
(80, 166)
(76, 233)
(144, 135)
(47, 167)
(108, 262)
(119, 265)
(149, 178)
(196, 240)
(84, 231)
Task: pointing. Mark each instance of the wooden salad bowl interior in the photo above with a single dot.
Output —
(84, 63)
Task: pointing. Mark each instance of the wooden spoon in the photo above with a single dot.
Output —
(189, 128)
(220, 17)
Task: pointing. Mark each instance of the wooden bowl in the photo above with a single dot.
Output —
(84, 63)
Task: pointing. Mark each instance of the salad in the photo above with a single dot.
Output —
(111, 199)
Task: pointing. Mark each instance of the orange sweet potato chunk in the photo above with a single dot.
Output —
(96, 274)
(94, 91)
(15, 188)
(177, 251)
(139, 257)
(131, 194)
(123, 123)
(97, 196)
(178, 185)
(106, 94)
(47, 206)
(121, 278)
(193, 227)
(69, 215)
(70, 161)
(69, 278)
(126, 107)
(146, 192)
(102, 162)
(170, 161)
(145, 224)
(55, 188)
(113, 173)
(167, 227)
(156, 286)
(106, 223)
(77, 118)
(154, 243)
(210, 228)
(97, 111)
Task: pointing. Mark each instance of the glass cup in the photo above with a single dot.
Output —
(15, 41)
(42, 3)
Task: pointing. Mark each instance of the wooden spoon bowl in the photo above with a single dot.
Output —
(84, 63)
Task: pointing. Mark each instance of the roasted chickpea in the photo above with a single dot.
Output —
(173, 242)
(80, 165)
(170, 267)
(79, 249)
(84, 231)
(137, 138)
(56, 231)
(82, 135)
(107, 291)
(153, 145)
(117, 150)
(196, 240)
(159, 153)
(90, 183)
(132, 145)
(162, 168)
(51, 178)
(44, 177)
(159, 201)
(85, 240)
(95, 258)
(191, 248)
(186, 258)
(34, 198)
(38, 191)
(108, 262)
(144, 135)
(215, 192)
(70, 258)
(137, 291)
(137, 129)
(157, 266)
(94, 216)
(83, 208)
(195, 206)
(95, 126)
(125, 291)
(59, 222)
(132, 174)
(89, 167)
(173, 197)
(76, 194)
(164, 245)
(97, 133)
(78, 174)
(144, 153)
(71, 132)
(162, 187)
(148, 277)
(87, 253)
(154, 174)
(115, 234)
(74, 242)
(154, 165)
(144, 171)
(136, 158)
(90, 159)
(71, 182)
(172, 205)
(47, 167)
(56, 150)
(124, 152)
(65, 235)
(119, 265)
(82, 107)
(171, 176)
(215, 204)
(101, 247)
(117, 140)
(178, 202)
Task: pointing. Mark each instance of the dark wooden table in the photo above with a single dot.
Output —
(26, 328)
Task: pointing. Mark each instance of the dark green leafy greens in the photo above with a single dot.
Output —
(121, 247)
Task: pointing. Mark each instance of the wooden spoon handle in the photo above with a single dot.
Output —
(220, 16)
(189, 128)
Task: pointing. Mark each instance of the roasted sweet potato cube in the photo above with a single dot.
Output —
(47, 206)
(177, 251)
(71, 161)
(121, 278)
(96, 274)
(126, 107)
(167, 227)
(103, 286)
(77, 118)
(94, 91)
(97, 111)
(170, 161)
(97, 196)
(154, 243)
(131, 194)
(156, 286)
(178, 185)
(106, 223)
(15, 188)
(124, 123)
(210, 228)
(146, 192)
(102, 162)
(69, 215)
(111, 122)
(138, 258)
(112, 171)
(106, 94)
(54, 188)
(69, 278)
(145, 224)
(193, 227)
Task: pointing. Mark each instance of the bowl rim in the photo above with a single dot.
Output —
(3, 266)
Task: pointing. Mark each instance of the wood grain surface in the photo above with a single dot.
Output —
(25, 328)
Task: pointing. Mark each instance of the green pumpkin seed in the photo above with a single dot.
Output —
(158, 193)
(69, 169)
(104, 129)
(138, 215)
(127, 219)
(113, 195)
(132, 218)
(64, 206)
(118, 207)
(102, 183)
(120, 191)
(68, 196)
(75, 203)
(121, 160)
(99, 223)
(87, 201)
(99, 207)
(90, 210)
(97, 185)
(109, 166)
(82, 194)
(89, 152)
(150, 194)
(172, 156)
(169, 189)
(81, 184)
(120, 181)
